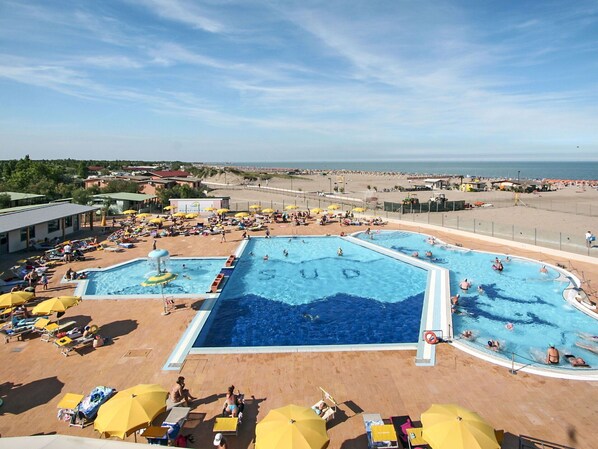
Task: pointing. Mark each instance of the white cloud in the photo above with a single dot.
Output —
(186, 13)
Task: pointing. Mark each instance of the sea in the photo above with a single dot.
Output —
(579, 170)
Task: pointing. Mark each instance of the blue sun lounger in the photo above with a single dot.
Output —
(87, 409)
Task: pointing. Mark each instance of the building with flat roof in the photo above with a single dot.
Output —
(23, 227)
(24, 199)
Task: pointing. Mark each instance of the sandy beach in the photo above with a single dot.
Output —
(570, 210)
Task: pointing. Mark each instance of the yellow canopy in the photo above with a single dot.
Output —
(192, 215)
(169, 208)
(163, 278)
(268, 211)
(210, 209)
(130, 410)
(333, 207)
(14, 299)
(156, 220)
(179, 214)
(241, 215)
(291, 207)
(143, 215)
(56, 305)
(222, 211)
(291, 427)
(317, 210)
(358, 209)
(455, 427)
(255, 206)
(129, 211)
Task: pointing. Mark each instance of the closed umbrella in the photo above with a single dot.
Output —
(130, 410)
(452, 426)
(291, 427)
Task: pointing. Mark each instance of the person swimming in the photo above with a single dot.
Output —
(465, 284)
(480, 290)
(543, 270)
(339, 251)
(285, 253)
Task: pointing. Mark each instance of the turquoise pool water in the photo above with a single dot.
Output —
(194, 277)
(521, 295)
(312, 296)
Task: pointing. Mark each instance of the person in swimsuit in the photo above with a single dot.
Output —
(231, 401)
(552, 355)
(179, 393)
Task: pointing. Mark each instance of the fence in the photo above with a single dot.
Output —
(563, 241)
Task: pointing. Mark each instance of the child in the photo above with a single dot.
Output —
(44, 281)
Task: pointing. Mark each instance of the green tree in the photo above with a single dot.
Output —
(4, 200)
(82, 196)
(121, 186)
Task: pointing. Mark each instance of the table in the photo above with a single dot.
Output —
(415, 437)
(154, 432)
(226, 425)
(384, 432)
(70, 401)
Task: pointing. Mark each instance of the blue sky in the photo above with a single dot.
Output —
(226, 80)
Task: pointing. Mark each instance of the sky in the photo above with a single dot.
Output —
(346, 80)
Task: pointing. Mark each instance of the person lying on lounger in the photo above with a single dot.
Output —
(320, 408)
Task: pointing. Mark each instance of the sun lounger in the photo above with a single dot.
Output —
(379, 434)
(329, 406)
(49, 331)
(68, 344)
(16, 332)
(87, 409)
(170, 428)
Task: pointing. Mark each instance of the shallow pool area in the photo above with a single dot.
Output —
(305, 294)
(194, 277)
(521, 307)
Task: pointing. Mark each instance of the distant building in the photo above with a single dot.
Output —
(436, 183)
(25, 226)
(199, 205)
(24, 199)
(505, 185)
(473, 186)
(121, 201)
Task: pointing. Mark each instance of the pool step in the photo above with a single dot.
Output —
(218, 283)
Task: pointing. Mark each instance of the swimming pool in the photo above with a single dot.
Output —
(521, 295)
(312, 296)
(195, 276)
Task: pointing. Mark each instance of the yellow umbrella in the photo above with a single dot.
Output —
(56, 305)
(169, 208)
(268, 211)
(143, 215)
(455, 427)
(334, 207)
(241, 215)
(192, 215)
(255, 206)
(130, 410)
(317, 210)
(13, 299)
(358, 209)
(222, 211)
(210, 209)
(159, 279)
(291, 427)
(129, 212)
(156, 220)
(291, 207)
(179, 214)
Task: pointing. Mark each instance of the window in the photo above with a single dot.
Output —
(24, 233)
(53, 226)
(68, 221)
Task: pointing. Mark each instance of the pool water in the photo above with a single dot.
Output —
(312, 296)
(521, 295)
(195, 276)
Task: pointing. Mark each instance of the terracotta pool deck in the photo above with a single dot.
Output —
(35, 375)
